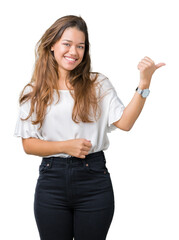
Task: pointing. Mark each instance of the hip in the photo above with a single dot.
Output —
(80, 175)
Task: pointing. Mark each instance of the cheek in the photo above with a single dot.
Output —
(82, 55)
(59, 53)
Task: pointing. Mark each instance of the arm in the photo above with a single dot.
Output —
(35, 146)
(131, 113)
(74, 147)
(134, 108)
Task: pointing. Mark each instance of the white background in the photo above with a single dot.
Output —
(143, 162)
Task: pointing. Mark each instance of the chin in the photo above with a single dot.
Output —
(70, 68)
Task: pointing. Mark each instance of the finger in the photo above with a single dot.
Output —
(159, 65)
(149, 59)
(86, 149)
(83, 154)
(142, 65)
(88, 143)
(148, 63)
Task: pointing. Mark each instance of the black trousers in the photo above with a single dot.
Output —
(74, 198)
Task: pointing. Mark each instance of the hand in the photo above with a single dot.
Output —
(147, 67)
(77, 147)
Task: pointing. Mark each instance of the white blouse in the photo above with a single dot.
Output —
(59, 126)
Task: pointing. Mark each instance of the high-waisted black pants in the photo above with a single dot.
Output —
(74, 198)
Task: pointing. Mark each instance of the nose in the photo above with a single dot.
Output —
(73, 51)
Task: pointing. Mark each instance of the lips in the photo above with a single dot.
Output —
(70, 58)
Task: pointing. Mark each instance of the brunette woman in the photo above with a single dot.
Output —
(65, 113)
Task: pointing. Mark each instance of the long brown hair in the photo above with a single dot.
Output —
(45, 76)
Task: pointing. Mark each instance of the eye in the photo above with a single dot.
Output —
(66, 44)
(81, 47)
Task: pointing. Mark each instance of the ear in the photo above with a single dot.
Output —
(52, 49)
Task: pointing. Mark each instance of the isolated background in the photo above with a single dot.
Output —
(143, 163)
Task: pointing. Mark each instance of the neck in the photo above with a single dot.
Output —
(63, 75)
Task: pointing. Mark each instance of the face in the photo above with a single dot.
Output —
(69, 49)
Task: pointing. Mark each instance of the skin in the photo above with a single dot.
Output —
(71, 44)
(147, 68)
(75, 48)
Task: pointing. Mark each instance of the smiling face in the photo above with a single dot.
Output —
(69, 50)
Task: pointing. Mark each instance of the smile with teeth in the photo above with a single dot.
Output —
(70, 59)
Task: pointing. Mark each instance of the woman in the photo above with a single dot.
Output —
(65, 114)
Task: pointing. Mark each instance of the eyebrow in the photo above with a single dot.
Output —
(71, 41)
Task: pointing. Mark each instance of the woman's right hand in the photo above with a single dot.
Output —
(77, 147)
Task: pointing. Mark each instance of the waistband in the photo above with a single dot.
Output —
(73, 159)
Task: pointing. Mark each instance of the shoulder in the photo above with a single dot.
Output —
(99, 76)
(104, 87)
(103, 81)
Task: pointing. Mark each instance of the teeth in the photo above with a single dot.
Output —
(70, 59)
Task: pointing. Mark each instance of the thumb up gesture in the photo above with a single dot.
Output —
(147, 67)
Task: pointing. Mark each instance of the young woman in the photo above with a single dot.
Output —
(65, 114)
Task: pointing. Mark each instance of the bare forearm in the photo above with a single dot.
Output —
(42, 148)
(132, 111)
(147, 67)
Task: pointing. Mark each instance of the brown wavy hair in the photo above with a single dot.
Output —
(45, 76)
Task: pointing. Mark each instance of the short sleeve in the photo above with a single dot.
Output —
(26, 129)
(116, 108)
(112, 103)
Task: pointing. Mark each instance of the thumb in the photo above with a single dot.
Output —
(159, 65)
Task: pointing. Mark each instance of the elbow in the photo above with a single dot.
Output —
(27, 152)
(26, 149)
(26, 146)
(124, 125)
(127, 128)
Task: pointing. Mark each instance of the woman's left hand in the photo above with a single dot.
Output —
(147, 67)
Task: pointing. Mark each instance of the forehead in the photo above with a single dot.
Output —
(73, 34)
